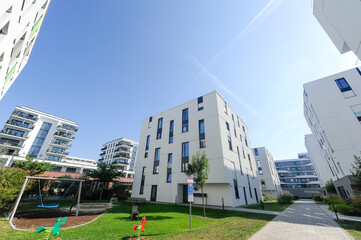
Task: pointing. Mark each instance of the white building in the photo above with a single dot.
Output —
(20, 23)
(37, 134)
(122, 154)
(169, 139)
(266, 172)
(332, 108)
(341, 19)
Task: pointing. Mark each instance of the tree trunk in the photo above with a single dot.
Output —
(204, 207)
(101, 192)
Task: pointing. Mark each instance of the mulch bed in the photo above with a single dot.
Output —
(47, 218)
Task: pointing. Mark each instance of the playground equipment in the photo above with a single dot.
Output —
(41, 202)
(55, 230)
(140, 227)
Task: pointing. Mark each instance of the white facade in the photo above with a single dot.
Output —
(332, 108)
(266, 172)
(341, 19)
(20, 22)
(37, 134)
(169, 139)
(122, 154)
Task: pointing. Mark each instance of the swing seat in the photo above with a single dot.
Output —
(48, 206)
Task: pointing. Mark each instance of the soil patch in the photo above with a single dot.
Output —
(47, 218)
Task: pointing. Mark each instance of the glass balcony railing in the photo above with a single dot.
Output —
(63, 135)
(19, 124)
(7, 143)
(24, 115)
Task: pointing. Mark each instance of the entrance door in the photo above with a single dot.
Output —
(185, 193)
(153, 194)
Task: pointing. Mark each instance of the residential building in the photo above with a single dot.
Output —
(37, 134)
(298, 176)
(206, 125)
(332, 108)
(122, 154)
(266, 173)
(20, 23)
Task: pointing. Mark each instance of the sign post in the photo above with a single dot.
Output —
(190, 200)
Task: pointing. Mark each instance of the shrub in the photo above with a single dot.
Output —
(318, 198)
(296, 197)
(285, 199)
(11, 181)
(347, 210)
(267, 198)
(356, 203)
(330, 187)
(329, 201)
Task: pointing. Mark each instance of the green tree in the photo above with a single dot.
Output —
(11, 181)
(34, 167)
(198, 170)
(3, 151)
(105, 173)
(330, 187)
(356, 170)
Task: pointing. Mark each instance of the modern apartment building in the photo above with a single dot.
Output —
(298, 176)
(169, 140)
(342, 22)
(266, 173)
(37, 134)
(20, 23)
(122, 154)
(332, 108)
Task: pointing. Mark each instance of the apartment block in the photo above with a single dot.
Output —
(37, 134)
(122, 154)
(332, 108)
(169, 140)
(20, 23)
(266, 173)
(298, 176)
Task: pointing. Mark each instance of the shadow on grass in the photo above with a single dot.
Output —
(350, 225)
(153, 218)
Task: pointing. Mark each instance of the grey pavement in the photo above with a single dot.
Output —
(303, 220)
(340, 216)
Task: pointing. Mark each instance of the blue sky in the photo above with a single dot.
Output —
(107, 65)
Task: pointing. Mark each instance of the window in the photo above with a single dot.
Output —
(225, 107)
(54, 158)
(39, 140)
(229, 137)
(159, 128)
(200, 101)
(171, 128)
(169, 168)
(185, 156)
(141, 190)
(357, 111)
(239, 159)
(238, 121)
(202, 137)
(256, 151)
(185, 120)
(263, 183)
(156, 161)
(358, 70)
(150, 120)
(250, 164)
(147, 147)
(235, 183)
(259, 167)
(345, 88)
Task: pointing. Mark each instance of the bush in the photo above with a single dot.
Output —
(296, 197)
(335, 201)
(267, 198)
(11, 181)
(285, 199)
(347, 210)
(318, 198)
(330, 187)
(356, 203)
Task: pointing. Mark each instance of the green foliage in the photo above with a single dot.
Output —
(330, 187)
(356, 170)
(331, 200)
(356, 202)
(262, 205)
(3, 151)
(267, 198)
(296, 197)
(34, 167)
(11, 181)
(318, 198)
(285, 199)
(347, 210)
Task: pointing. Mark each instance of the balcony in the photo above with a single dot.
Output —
(7, 144)
(63, 154)
(101, 159)
(102, 154)
(62, 145)
(121, 155)
(122, 150)
(62, 136)
(22, 116)
(69, 129)
(12, 135)
(18, 126)
(103, 149)
(120, 163)
(125, 144)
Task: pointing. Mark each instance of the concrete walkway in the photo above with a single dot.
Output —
(303, 220)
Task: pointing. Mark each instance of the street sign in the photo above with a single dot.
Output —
(190, 192)
(190, 180)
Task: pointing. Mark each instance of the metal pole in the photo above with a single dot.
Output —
(334, 209)
(190, 215)
(12, 214)
(78, 203)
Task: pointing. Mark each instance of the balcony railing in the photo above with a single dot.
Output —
(6, 143)
(12, 134)
(68, 128)
(103, 153)
(60, 153)
(18, 124)
(120, 162)
(101, 159)
(62, 144)
(62, 135)
(124, 143)
(24, 115)
(104, 148)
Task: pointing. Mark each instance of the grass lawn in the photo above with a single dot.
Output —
(353, 228)
(272, 205)
(163, 222)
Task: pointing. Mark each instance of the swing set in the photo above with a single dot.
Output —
(41, 200)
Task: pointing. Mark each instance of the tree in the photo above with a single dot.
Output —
(34, 167)
(330, 187)
(105, 173)
(199, 169)
(11, 181)
(3, 151)
(356, 170)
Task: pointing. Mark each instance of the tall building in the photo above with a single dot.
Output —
(37, 134)
(122, 154)
(169, 140)
(298, 176)
(266, 172)
(332, 108)
(20, 23)
(342, 22)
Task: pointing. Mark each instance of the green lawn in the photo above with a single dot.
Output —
(353, 228)
(163, 222)
(272, 205)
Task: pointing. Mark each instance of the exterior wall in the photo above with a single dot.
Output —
(122, 154)
(341, 20)
(20, 23)
(298, 176)
(224, 163)
(346, 187)
(330, 115)
(56, 142)
(266, 172)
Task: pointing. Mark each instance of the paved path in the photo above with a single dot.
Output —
(303, 220)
